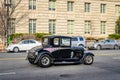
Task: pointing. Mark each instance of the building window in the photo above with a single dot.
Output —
(32, 4)
(13, 2)
(87, 27)
(70, 5)
(52, 5)
(70, 26)
(52, 24)
(117, 9)
(12, 25)
(103, 27)
(32, 26)
(87, 7)
(102, 8)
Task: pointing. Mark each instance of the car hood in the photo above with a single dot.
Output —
(36, 49)
(12, 45)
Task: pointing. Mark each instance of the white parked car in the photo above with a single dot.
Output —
(78, 41)
(23, 45)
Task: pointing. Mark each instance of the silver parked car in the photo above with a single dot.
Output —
(105, 44)
(78, 41)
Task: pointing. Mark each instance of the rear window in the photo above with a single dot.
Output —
(31, 41)
(65, 42)
(74, 39)
(81, 39)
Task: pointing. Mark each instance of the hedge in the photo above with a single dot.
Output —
(114, 36)
(22, 35)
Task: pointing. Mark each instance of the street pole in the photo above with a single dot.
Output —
(7, 5)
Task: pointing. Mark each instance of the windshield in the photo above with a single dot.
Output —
(45, 42)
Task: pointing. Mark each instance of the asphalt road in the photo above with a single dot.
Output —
(106, 66)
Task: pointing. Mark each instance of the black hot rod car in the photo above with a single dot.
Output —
(58, 50)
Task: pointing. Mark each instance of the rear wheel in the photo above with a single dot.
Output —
(88, 60)
(99, 47)
(16, 49)
(81, 45)
(44, 61)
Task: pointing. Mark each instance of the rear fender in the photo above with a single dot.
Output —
(85, 54)
(40, 54)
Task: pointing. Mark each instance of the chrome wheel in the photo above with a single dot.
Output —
(16, 49)
(45, 61)
(98, 47)
(88, 60)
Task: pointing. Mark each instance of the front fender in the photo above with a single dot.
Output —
(40, 54)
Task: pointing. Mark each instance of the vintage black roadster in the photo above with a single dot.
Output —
(58, 50)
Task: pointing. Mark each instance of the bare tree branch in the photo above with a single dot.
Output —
(14, 12)
(15, 6)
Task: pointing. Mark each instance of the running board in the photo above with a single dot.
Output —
(64, 62)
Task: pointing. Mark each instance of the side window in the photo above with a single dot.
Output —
(74, 39)
(65, 42)
(56, 41)
(112, 41)
(31, 41)
(81, 39)
(25, 42)
(45, 41)
(107, 41)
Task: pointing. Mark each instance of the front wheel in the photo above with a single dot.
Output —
(16, 49)
(31, 60)
(116, 47)
(88, 60)
(44, 61)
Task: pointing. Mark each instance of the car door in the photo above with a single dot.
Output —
(111, 44)
(32, 44)
(24, 45)
(108, 44)
(68, 54)
(105, 44)
(65, 53)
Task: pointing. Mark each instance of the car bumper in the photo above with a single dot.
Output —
(91, 47)
(9, 49)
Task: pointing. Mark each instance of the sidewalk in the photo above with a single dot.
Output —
(2, 48)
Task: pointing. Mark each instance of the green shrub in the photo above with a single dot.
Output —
(40, 35)
(90, 38)
(21, 36)
(17, 35)
(114, 36)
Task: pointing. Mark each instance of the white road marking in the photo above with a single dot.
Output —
(112, 54)
(116, 58)
(9, 73)
(2, 59)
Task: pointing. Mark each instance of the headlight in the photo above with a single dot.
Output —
(27, 51)
(95, 45)
(36, 53)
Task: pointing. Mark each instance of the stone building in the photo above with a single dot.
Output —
(89, 18)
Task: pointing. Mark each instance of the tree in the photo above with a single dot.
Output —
(118, 26)
(8, 13)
